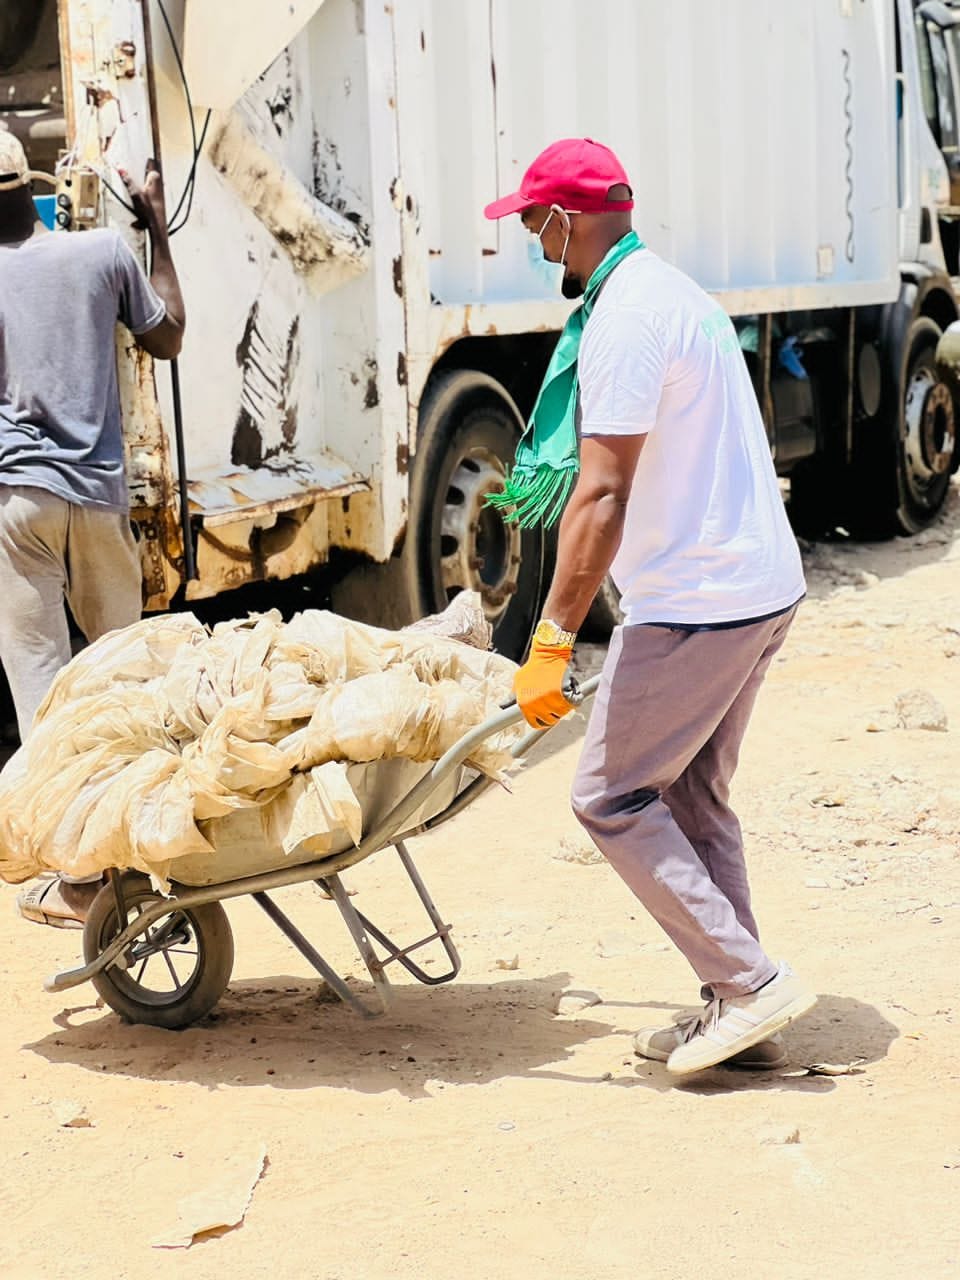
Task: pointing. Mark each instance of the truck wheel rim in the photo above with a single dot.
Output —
(478, 551)
(930, 427)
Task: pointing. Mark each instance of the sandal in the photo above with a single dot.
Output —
(43, 903)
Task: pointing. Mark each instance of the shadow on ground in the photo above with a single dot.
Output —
(291, 1033)
(840, 1030)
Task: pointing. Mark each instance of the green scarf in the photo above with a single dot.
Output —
(548, 455)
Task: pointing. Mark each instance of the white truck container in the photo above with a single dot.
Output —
(362, 346)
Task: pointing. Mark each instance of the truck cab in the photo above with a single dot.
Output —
(937, 32)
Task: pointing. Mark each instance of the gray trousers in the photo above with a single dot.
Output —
(653, 784)
(52, 550)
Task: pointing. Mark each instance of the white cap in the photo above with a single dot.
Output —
(14, 170)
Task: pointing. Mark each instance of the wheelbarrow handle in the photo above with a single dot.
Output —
(570, 689)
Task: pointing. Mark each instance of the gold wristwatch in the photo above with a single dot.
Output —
(548, 632)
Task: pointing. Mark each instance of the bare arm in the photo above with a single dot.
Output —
(592, 526)
(165, 340)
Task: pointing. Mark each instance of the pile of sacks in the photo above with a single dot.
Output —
(153, 733)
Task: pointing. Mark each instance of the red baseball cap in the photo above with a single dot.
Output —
(575, 173)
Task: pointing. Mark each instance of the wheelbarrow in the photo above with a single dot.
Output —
(166, 959)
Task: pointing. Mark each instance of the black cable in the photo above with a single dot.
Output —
(191, 182)
(191, 177)
(183, 74)
(117, 196)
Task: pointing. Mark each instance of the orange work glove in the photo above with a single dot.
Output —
(538, 685)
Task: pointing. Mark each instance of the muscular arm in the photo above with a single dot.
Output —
(592, 526)
(164, 340)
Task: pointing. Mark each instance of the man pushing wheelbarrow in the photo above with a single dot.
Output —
(648, 436)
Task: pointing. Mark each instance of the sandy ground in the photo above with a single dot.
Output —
(473, 1131)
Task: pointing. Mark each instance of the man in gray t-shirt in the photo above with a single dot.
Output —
(65, 532)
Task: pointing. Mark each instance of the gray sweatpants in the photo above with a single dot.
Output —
(653, 784)
(52, 550)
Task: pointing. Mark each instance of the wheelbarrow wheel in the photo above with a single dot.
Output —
(175, 972)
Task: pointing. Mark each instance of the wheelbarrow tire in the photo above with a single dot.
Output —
(210, 931)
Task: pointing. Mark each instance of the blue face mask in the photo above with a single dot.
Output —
(549, 273)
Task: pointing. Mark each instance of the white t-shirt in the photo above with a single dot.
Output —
(706, 538)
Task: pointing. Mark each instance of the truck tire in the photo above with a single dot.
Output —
(469, 428)
(19, 23)
(902, 464)
(605, 612)
(814, 506)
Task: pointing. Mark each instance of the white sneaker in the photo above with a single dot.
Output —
(727, 1027)
(657, 1044)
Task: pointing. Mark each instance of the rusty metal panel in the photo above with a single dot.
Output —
(267, 545)
(248, 492)
(287, 266)
(292, 392)
(147, 453)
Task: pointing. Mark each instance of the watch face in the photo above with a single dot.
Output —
(548, 632)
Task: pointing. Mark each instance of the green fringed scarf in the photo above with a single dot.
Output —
(548, 455)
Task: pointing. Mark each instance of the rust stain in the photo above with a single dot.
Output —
(280, 107)
(321, 242)
(447, 342)
(330, 185)
(269, 360)
(245, 508)
(124, 61)
(403, 457)
(371, 397)
(97, 95)
(398, 276)
(401, 369)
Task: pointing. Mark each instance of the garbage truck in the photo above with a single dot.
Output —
(363, 348)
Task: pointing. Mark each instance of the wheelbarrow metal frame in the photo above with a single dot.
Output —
(389, 830)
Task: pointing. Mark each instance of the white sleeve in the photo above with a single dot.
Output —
(622, 366)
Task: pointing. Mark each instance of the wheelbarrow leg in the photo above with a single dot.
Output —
(309, 952)
(443, 930)
(357, 926)
(360, 927)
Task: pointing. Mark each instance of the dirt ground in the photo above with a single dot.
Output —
(473, 1130)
